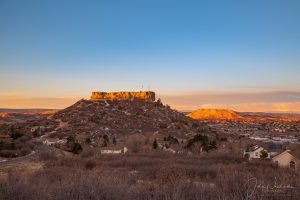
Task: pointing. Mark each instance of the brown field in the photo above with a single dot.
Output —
(154, 175)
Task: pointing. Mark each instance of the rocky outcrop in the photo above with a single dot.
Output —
(215, 114)
(142, 95)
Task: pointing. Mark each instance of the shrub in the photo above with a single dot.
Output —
(90, 164)
(105, 137)
(203, 139)
(8, 153)
(87, 152)
(158, 102)
(70, 139)
(7, 146)
(88, 140)
(95, 119)
(155, 145)
(16, 134)
(114, 141)
(162, 126)
(172, 140)
(24, 150)
(136, 143)
(76, 148)
(195, 125)
(36, 133)
(264, 154)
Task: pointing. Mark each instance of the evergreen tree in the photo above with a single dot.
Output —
(155, 145)
(264, 154)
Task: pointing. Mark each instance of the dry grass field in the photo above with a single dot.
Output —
(154, 175)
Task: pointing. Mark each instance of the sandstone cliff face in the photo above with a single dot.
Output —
(142, 95)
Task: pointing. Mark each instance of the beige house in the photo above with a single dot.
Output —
(287, 159)
(114, 150)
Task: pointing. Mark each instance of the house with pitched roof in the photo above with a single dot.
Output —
(287, 159)
(255, 152)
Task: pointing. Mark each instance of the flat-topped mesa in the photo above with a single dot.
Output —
(142, 95)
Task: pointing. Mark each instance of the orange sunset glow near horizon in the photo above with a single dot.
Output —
(275, 102)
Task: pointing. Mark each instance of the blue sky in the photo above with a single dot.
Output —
(66, 49)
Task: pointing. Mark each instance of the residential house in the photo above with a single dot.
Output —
(162, 143)
(287, 159)
(114, 150)
(174, 149)
(37, 130)
(246, 135)
(170, 150)
(34, 129)
(181, 140)
(255, 152)
(53, 141)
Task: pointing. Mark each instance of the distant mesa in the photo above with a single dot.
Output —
(230, 115)
(141, 95)
(215, 114)
(4, 115)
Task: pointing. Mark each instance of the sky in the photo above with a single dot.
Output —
(242, 55)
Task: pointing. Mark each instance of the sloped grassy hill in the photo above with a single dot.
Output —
(122, 116)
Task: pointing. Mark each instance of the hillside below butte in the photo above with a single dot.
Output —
(141, 95)
(215, 114)
(97, 119)
(115, 118)
(121, 117)
(92, 121)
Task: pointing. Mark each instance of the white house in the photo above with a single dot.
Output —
(170, 150)
(34, 129)
(114, 150)
(37, 128)
(255, 152)
(162, 143)
(51, 142)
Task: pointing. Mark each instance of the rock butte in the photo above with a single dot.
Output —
(215, 114)
(142, 95)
